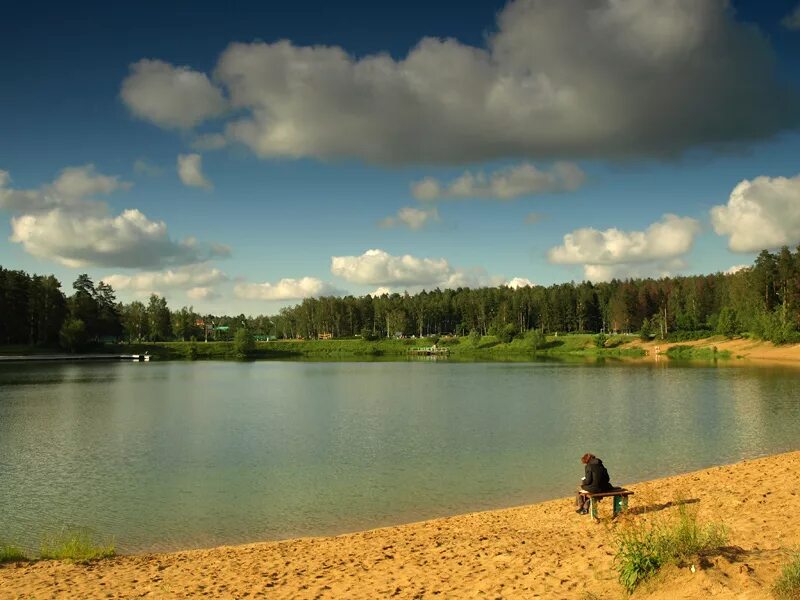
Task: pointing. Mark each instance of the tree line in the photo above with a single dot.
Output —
(763, 299)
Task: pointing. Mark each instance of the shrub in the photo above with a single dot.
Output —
(78, 546)
(474, 337)
(506, 333)
(368, 334)
(787, 586)
(11, 553)
(72, 335)
(243, 342)
(535, 339)
(646, 331)
(600, 340)
(642, 549)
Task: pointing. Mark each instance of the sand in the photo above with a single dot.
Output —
(743, 351)
(542, 550)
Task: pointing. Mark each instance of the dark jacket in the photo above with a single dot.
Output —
(597, 479)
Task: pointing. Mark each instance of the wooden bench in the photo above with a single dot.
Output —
(620, 496)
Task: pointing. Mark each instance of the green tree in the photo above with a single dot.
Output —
(535, 340)
(646, 331)
(726, 322)
(243, 342)
(158, 318)
(73, 335)
(506, 333)
(474, 338)
(600, 340)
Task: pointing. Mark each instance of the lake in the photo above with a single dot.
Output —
(169, 455)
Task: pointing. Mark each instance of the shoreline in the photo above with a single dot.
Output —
(737, 351)
(542, 548)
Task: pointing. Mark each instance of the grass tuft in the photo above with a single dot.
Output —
(787, 586)
(643, 548)
(11, 553)
(75, 545)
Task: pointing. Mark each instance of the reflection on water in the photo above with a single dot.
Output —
(166, 455)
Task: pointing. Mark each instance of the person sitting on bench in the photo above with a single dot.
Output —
(595, 480)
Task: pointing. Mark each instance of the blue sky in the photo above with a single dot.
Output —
(579, 126)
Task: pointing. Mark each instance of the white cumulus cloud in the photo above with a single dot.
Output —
(128, 240)
(614, 253)
(285, 289)
(73, 188)
(410, 217)
(556, 79)
(762, 213)
(379, 268)
(519, 282)
(170, 96)
(186, 277)
(190, 170)
(735, 269)
(62, 221)
(202, 293)
(504, 184)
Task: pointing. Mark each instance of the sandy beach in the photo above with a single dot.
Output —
(542, 550)
(742, 351)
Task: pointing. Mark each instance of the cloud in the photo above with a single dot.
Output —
(62, 221)
(202, 293)
(170, 96)
(285, 289)
(190, 170)
(565, 79)
(376, 267)
(145, 167)
(190, 276)
(762, 213)
(412, 218)
(381, 291)
(736, 269)
(128, 240)
(792, 20)
(73, 187)
(209, 141)
(612, 253)
(519, 282)
(379, 268)
(505, 184)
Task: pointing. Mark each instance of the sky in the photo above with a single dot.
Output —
(240, 157)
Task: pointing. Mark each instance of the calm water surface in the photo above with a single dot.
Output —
(176, 454)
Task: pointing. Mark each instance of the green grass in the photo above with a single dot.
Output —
(11, 553)
(489, 348)
(684, 352)
(787, 586)
(75, 545)
(643, 548)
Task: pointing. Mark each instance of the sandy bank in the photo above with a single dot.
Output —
(742, 351)
(542, 550)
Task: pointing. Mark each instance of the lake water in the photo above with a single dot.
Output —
(169, 455)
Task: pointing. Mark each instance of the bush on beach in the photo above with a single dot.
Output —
(77, 545)
(11, 553)
(787, 586)
(643, 548)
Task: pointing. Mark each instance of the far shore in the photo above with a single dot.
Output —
(718, 349)
(540, 550)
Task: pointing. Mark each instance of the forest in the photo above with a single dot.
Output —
(762, 300)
